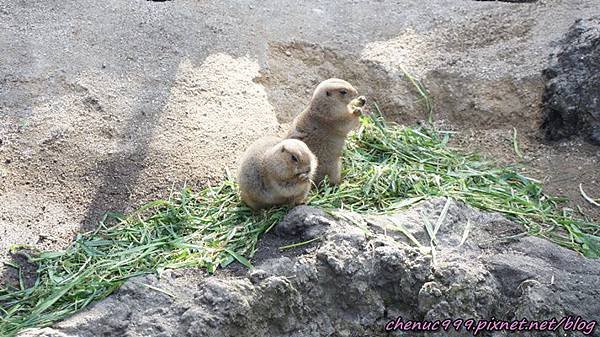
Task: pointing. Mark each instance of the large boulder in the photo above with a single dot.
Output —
(572, 94)
(363, 276)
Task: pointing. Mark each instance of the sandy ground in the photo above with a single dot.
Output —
(107, 104)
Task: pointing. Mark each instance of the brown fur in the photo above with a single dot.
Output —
(326, 122)
(275, 171)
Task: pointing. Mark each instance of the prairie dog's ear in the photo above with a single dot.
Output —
(283, 148)
(328, 93)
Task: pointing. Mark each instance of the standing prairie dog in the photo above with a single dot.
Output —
(332, 113)
(276, 171)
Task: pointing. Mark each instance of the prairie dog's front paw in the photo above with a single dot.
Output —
(357, 111)
(304, 177)
(360, 101)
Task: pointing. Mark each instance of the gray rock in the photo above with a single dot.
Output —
(572, 93)
(305, 222)
(354, 284)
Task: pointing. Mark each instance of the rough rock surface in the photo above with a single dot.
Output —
(572, 94)
(363, 274)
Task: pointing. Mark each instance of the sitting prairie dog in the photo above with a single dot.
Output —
(332, 113)
(276, 171)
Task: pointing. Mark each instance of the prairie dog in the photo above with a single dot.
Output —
(276, 171)
(333, 111)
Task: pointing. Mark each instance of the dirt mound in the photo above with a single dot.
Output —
(295, 69)
(360, 279)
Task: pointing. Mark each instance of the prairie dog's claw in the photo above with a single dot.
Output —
(360, 101)
(357, 111)
(304, 177)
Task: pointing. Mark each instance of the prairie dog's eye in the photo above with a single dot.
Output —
(343, 92)
(294, 158)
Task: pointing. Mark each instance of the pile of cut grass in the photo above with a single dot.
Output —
(389, 167)
(386, 168)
